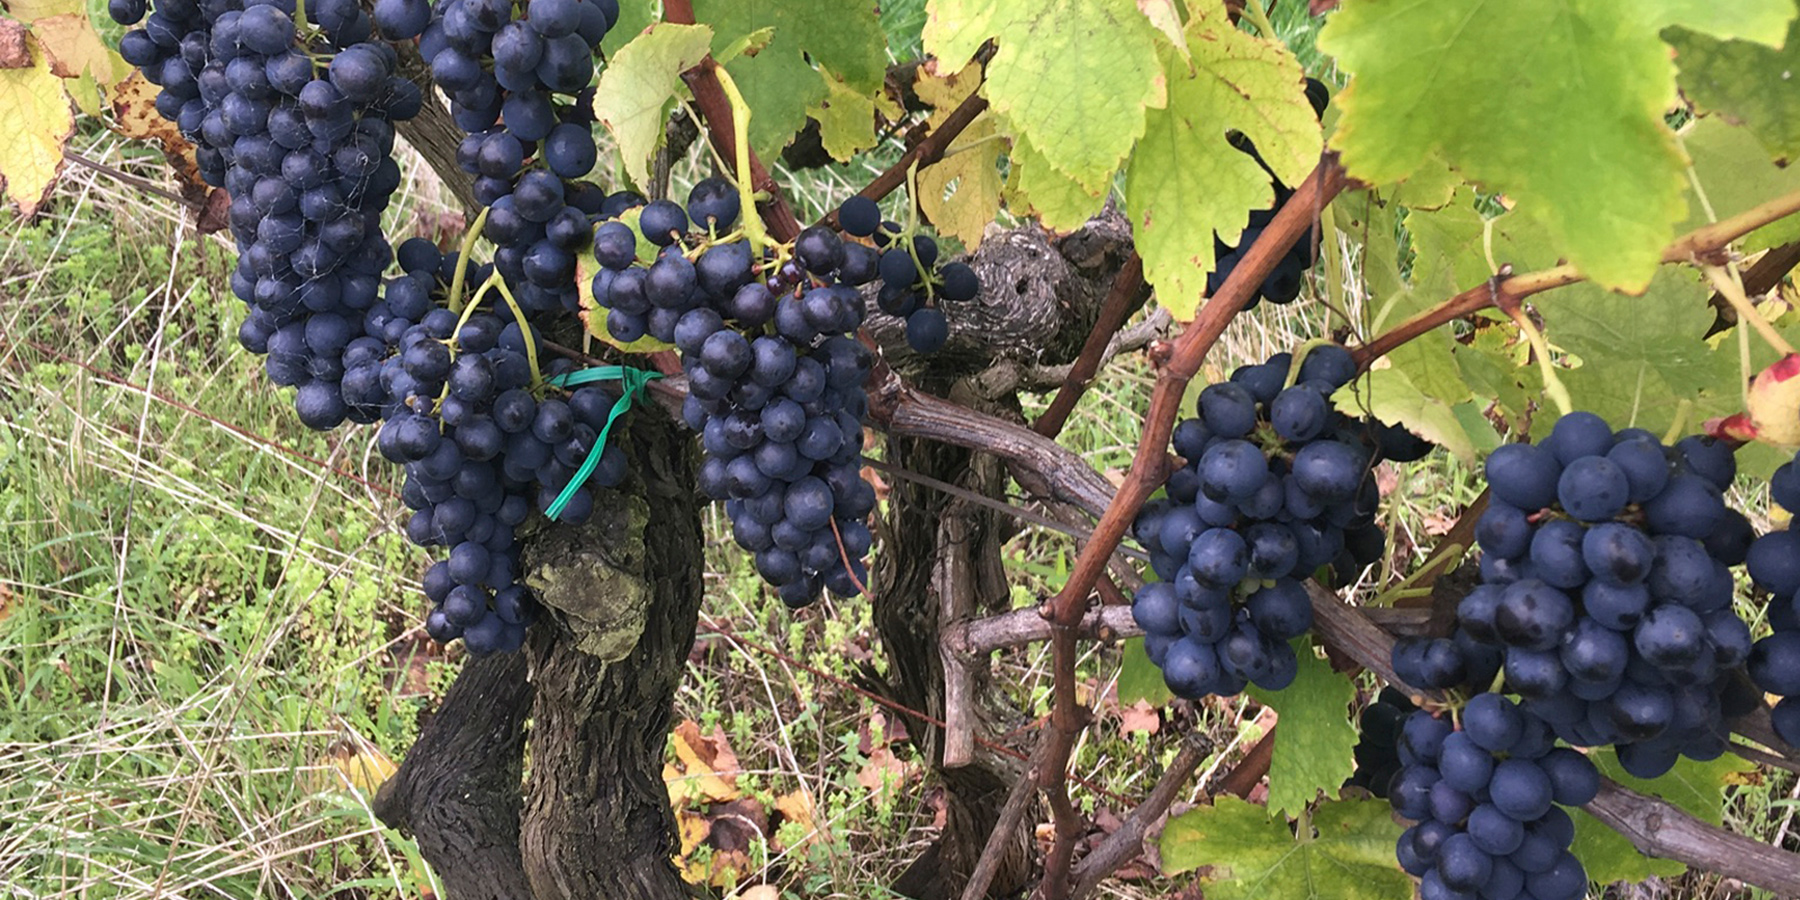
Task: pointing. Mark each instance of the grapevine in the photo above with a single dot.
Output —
(1614, 607)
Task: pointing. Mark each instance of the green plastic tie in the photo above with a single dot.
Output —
(632, 383)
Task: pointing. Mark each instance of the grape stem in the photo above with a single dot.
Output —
(1682, 411)
(740, 133)
(462, 259)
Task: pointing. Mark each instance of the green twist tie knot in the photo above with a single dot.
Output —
(632, 382)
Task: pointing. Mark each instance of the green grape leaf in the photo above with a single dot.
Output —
(634, 17)
(1640, 356)
(1696, 787)
(1748, 83)
(638, 84)
(1390, 394)
(1072, 76)
(1485, 85)
(1251, 856)
(1185, 181)
(1737, 174)
(1034, 187)
(1139, 678)
(1432, 186)
(780, 82)
(1314, 740)
(960, 193)
(1491, 373)
(1451, 249)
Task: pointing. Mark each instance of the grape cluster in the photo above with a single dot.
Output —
(1484, 799)
(1606, 580)
(1275, 485)
(1377, 753)
(1283, 284)
(520, 88)
(305, 150)
(775, 376)
(914, 281)
(1773, 562)
(480, 446)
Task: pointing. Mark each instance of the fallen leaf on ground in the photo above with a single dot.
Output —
(1139, 717)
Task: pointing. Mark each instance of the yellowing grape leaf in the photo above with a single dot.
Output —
(361, 764)
(846, 117)
(38, 124)
(76, 49)
(1314, 739)
(638, 83)
(1747, 83)
(1184, 181)
(841, 37)
(33, 10)
(1034, 187)
(1696, 787)
(1558, 105)
(961, 191)
(1072, 76)
(134, 115)
(796, 809)
(1167, 19)
(703, 769)
(1251, 856)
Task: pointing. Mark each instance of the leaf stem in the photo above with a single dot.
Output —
(1541, 348)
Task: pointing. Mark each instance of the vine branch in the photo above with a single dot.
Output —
(1658, 828)
(1702, 245)
(1128, 289)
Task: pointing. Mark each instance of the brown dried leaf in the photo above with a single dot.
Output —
(723, 869)
(1139, 717)
(877, 771)
(135, 117)
(215, 213)
(866, 733)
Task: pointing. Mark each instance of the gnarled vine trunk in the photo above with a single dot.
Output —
(940, 557)
(592, 817)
